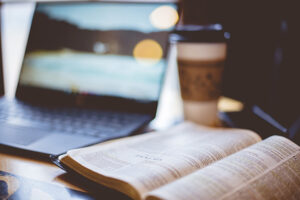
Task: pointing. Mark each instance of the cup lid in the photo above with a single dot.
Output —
(199, 33)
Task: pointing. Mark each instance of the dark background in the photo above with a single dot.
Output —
(263, 59)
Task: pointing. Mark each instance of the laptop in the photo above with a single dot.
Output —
(92, 71)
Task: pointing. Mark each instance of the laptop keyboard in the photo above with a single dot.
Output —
(71, 120)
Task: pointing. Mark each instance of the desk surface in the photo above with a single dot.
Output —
(36, 179)
(34, 169)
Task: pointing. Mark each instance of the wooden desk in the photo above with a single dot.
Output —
(36, 169)
(39, 179)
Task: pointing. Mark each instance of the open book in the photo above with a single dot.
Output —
(193, 162)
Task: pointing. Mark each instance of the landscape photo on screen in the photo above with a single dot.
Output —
(108, 49)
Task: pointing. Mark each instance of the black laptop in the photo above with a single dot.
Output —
(92, 71)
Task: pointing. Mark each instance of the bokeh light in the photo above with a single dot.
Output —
(164, 17)
(148, 52)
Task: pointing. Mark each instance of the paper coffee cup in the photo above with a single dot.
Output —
(201, 56)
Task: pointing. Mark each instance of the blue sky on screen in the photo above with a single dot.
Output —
(104, 16)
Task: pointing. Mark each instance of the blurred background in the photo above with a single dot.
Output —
(262, 66)
(263, 63)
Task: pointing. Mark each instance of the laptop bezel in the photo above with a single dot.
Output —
(49, 97)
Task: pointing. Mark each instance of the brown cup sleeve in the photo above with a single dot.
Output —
(200, 80)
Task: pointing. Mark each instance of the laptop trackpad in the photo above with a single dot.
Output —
(18, 135)
(60, 143)
(40, 140)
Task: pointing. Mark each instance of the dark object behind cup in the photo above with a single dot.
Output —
(211, 33)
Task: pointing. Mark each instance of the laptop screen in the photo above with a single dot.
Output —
(99, 48)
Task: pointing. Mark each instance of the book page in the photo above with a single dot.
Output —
(149, 161)
(267, 170)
